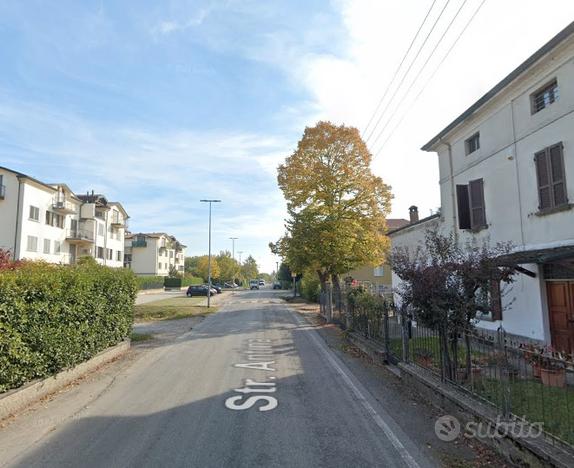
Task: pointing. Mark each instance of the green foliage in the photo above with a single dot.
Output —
(53, 317)
(188, 280)
(310, 287)
(150, 282)
(228, 267)
(170, 282)
(249, 269)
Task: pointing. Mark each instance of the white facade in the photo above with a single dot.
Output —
(49, 222)
(154, 254)
(510, 131)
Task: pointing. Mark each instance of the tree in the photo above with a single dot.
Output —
(336, 205)
(202, 267)
(228, 267)
(249, 269)
(190, 265)
(445, 286)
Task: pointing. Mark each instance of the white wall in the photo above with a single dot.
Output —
(8, 211)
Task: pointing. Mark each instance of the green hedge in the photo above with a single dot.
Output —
(310, 287)
(189, 280)
(170, 282)
(53, 317)
(150, 282)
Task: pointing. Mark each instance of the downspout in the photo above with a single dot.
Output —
(452, 189)
(18, 229)
(517, 172)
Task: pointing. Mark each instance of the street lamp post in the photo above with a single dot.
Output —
(240, 252)
(209, 256)
(233, 239)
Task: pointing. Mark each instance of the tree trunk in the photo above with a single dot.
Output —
(336, 290)
(323, 278)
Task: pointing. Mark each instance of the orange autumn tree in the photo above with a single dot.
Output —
(336, 205)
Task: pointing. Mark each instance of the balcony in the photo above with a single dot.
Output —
(2, 192)
(139, 243)
(80, 236)
(63, 206)
(117, 222)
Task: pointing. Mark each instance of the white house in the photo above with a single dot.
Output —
(154, 254)
(40, 221)
(507, 174)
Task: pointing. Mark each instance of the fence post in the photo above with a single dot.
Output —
(405, 334)
(504, 372)
(329, 302)
(386, 334)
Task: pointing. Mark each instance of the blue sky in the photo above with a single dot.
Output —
(159, 104)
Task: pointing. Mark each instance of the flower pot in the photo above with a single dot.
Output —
(536, 371)
(553, 377)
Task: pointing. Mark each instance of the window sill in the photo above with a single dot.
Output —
(556, 209)
(476, 229)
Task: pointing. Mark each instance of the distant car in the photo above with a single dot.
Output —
(198, 290)
(254, 284)
(229, 285)
(217, 288)
(276, 285)
(261, 282)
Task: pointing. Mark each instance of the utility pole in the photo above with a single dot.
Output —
(240, 252)
(233, 239)
(209, 257)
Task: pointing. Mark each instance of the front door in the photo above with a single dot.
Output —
(561, 311)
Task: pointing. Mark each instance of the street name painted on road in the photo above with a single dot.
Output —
(259, 352)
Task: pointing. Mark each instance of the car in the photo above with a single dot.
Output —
(230, 285)
(261, 282)
(217, 288)
(276, 285)
(254, 284)
(198, 290)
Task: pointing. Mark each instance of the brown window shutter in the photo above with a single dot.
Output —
(477, 211)
(495, 300)
(463, 206)
(558, 177)
(543, 178)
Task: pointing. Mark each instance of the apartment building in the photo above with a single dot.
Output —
(49, 222)
(154, 254)
(507, 174)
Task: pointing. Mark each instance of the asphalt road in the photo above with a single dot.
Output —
(253, 385)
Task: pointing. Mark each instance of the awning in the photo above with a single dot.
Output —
(540, 256)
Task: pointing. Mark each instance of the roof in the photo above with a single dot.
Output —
(421, 221)
(20, 175)
(395, 223)
(120, 207)
(523, 67)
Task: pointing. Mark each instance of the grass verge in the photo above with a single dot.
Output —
(139, 337)
(172, 308)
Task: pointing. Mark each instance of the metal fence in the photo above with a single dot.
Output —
(517, 380)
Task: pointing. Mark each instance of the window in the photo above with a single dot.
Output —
(550, 177)
(100, 229)
(492, 296)
(110, 253)
(159, 266)
(34, 213)
(32, 245)
(472, 144)
(54, 219)
(100, 252)
(57, 247)
(544, 97)
(471, 207)
(119, 256)
(379, 271)
(47, 245)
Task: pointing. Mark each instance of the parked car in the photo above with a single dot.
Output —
(276, 285)
(229, 285)
(198, 290)
(254, 284)
(217, 288)
(261, 282)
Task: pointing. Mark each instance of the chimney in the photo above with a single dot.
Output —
(414, 214)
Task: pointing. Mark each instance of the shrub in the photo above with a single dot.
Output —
(188, 280)
(150, 282)
(53, 317)
(310, 287)
(170, 282)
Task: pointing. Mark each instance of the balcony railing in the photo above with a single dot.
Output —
(60, 204)
(79, 235)
(2, 192)
(139, 243)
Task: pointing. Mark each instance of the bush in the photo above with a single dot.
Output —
(170, 282)
(188, 280)
(150, 282)
(53, 317)
(310, 287)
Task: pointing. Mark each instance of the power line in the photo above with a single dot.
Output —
(398, 69)
(413, 82)
(408, 70)
(432, 76)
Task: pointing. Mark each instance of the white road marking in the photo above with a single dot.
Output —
(405, 455)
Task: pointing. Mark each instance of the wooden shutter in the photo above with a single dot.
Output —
(558, 180)
(463, 206)
(477, 211)
(495, 300)
(543, 178)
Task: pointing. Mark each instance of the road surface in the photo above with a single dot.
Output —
(252, 385)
